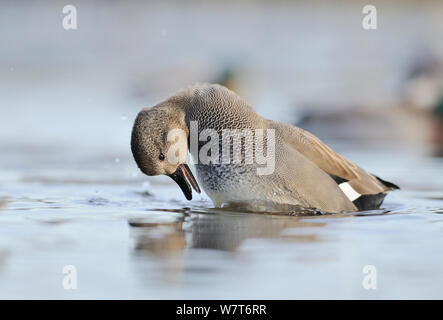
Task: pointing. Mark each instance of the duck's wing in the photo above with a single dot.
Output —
(355, 182)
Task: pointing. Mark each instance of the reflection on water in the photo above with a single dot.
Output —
(219, 230)
(224, 231)
(158, 238)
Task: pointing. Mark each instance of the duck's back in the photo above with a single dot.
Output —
(216, 107)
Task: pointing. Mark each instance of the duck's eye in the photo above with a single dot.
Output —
(161, 156)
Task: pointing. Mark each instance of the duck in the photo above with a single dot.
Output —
(242, 159)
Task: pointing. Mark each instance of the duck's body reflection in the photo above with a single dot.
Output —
(219, 231)
(171, 245)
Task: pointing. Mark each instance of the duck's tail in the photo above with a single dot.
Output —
(374, 201)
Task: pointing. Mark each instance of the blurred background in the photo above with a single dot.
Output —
(306, 62)
(68, 99)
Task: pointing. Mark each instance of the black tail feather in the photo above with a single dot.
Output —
(387, 183)
(338, 180)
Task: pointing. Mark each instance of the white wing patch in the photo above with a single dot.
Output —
(349, 191)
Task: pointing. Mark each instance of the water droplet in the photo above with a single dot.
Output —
(123, 117)
(117, 160)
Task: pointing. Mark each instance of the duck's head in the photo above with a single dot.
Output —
(159, 145)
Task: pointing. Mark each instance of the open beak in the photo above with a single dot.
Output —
(183, 176)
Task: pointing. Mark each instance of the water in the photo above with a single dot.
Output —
(70, 193)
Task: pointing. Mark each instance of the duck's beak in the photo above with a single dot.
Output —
(181, 176)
